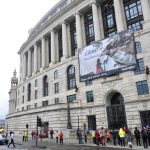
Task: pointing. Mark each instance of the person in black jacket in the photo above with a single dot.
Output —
(137, 136)
(148, 134)
(114, 134)
(144, 137)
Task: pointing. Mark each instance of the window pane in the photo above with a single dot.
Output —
(142, 87)
(89, 96)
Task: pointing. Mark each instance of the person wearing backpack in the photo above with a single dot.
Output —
(137, 136)
(144, 137)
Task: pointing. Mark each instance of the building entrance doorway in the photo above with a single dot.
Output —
(116, 114)
(92, 122)
(145, 118)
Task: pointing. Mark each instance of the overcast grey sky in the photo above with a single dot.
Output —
(16, 18)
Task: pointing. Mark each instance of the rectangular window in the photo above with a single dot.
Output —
(89, 27)
(88, 82)
(140, 67)
(23, 89)
(36, 92)
(17, 109)
(138, 47)
(28, 107)
(36, 83)
(35, 105)
(89, 96)
(45, 103)
(56, 100)
(142, 87)
(56, 74)
(108, 16)
(22, 108)
(56, 85)
(22, 99)
(71, 98)
(60, 44)
(134, 14)
(73, 36)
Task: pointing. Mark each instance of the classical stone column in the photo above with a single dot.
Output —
(29, 63)
(53, 49)
(146, 12)
(78, 30)
(24, 66)
(96, 21)
(64, 40)
(35, 58)
(43, 53)
(119, 15)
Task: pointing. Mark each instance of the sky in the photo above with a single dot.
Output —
(16, 18)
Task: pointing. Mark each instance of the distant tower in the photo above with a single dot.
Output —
(13, 93)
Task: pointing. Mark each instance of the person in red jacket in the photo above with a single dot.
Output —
(61, 137)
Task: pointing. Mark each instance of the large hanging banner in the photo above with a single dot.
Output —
(108, 57)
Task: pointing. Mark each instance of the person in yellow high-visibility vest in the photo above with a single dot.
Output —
(93, 137)
(57, 135)
(26, 136)
(122, 137)
(23, 135)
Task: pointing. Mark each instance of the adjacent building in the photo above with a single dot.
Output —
(49, 82)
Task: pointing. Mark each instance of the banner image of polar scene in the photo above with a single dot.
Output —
(107, 57)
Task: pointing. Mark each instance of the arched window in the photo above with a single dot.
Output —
(117, 99)
(56, 74)
(71, 77)
(45, 86)
(29, 91)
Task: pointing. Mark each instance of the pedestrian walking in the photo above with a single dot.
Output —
(51, 133)
(144, 137)
(12, 140)
(61, 137)
(137, 136)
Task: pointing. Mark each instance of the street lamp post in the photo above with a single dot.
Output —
(69, 126)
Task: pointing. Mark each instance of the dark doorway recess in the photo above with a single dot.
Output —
(116, 114)
(92, 122)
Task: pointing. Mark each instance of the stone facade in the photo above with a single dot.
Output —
(35, 64)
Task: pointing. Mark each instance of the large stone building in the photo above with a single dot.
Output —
(49, 83)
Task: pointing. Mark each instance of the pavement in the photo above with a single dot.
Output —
(48, 143)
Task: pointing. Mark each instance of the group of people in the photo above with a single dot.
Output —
(25, 136)
(122, 136)
(58, 135)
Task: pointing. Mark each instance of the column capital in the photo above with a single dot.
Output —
(78, 13)
(64, 22)
(94, 2)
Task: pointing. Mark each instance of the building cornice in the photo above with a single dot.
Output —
(43, 26)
